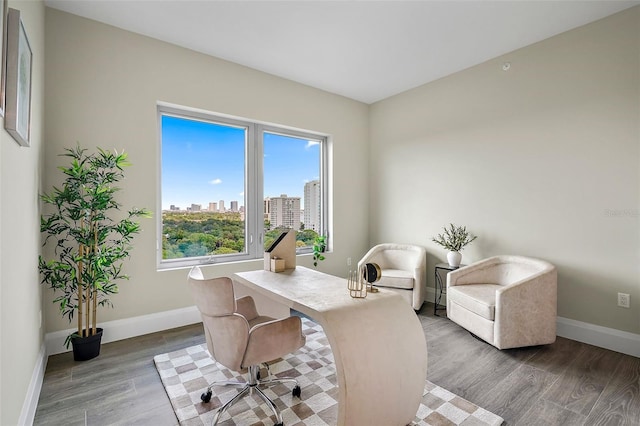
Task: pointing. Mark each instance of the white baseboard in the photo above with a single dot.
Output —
(30, 404)
(603, 337)
(608, 338)
(129, 327)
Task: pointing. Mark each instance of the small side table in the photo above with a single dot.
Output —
(441, 287)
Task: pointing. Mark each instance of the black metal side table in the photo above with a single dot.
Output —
(441, 287)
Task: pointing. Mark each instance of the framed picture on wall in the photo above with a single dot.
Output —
(17, 119)
(3, 51)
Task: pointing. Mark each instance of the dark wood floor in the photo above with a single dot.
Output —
(567, 383)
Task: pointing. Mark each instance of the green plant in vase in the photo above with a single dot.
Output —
(91, 238)
(319, 247)
(454, 239)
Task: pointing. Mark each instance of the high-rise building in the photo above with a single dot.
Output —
(213, 207)
(221, 206)
(195, 207)
(234, 206)
(267, 209)
(312, 209)
(285, 212)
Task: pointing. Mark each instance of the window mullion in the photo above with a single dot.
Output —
(255, 191)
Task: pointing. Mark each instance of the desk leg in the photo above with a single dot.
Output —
(381, 362)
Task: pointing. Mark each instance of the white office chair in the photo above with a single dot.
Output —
(239, 338)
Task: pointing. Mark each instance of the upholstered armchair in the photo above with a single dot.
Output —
(241, 339)
(403, 268)
(508, 301)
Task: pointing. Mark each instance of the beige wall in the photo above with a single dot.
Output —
(20, 293)
(542, 160)
(102, 87)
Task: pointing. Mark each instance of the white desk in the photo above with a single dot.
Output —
(378, 343)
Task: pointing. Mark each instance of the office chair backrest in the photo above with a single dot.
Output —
(214, 296)
(227, 332)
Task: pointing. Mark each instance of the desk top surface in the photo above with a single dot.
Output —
(306, 290)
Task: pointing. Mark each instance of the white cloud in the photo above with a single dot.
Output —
(311, 143)
(215, 182)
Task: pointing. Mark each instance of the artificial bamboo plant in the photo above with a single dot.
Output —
(92, 238)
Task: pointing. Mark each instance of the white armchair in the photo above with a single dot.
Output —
(403, 270)
(508, 301)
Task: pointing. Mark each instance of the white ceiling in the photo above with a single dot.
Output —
(364, 50)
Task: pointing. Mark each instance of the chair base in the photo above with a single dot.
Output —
(253, 384)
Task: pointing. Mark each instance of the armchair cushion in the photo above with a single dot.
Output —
(479, 299)
(396, 278)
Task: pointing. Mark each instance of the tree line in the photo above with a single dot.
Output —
(192, 234)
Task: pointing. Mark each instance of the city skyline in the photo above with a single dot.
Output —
(203, 162)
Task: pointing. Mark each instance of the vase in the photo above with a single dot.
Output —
(454, 258)
(86, 348)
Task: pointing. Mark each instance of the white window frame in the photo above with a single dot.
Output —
(254, 183)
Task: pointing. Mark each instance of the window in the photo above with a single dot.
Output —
(229, 187)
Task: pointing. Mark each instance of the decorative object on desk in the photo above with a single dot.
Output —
(454, 239)
(185, 371)
(371, 273)
(277, 264)
(90, 239)
(356, 285)
(18, 80)
(283, 248)
(319, 247)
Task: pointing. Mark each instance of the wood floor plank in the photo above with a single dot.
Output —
(579, 388)
(512, 396)
(546, 413)
(70, 407)
(620, 401)
(557, 357)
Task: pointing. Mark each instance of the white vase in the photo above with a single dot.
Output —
(454, 258)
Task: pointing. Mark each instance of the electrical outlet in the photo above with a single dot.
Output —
(624, 300)
(348, 261)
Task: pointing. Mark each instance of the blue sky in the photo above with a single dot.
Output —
(204, 162)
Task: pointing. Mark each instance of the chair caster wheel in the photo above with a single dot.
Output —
(279, 424)
(296, 391)
(206, 397)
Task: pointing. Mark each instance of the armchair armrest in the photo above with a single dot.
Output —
(517, 304)
(369, 255)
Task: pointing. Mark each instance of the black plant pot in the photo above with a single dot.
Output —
(86, 348)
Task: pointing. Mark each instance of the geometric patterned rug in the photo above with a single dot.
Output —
(186, 373)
